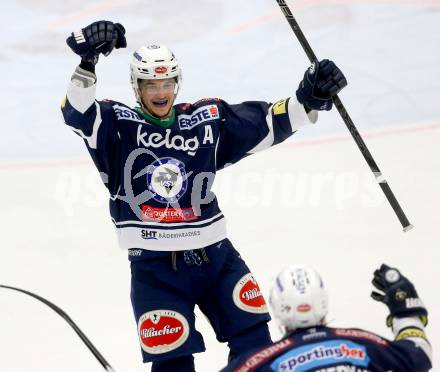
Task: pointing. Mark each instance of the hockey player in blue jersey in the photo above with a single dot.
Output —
(158, 162)
(298, 300)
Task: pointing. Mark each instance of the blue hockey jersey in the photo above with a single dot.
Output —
(159, 178)
(326, 349)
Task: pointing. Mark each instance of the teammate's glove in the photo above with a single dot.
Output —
(98, 37)
(398, 293)
(321, 82)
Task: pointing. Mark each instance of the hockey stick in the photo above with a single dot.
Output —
(349, 123)
(66, 317)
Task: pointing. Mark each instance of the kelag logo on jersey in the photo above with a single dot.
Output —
(201, 115)
(328, 353)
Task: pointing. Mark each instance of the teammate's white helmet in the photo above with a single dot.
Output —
(154, 62)
(298, 298)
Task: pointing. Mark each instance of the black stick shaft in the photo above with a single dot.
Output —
(349, 123)
(67, 318)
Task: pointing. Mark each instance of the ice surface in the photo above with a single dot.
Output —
(311, 200)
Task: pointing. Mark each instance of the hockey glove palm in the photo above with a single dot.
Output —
(98, 37)
(398, 293)
(321, 82)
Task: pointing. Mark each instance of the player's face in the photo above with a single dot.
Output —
(158, 96)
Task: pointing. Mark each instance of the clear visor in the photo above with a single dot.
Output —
(157, 86)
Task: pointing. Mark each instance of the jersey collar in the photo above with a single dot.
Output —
(164, 123)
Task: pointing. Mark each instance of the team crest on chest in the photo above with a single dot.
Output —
(167, 179)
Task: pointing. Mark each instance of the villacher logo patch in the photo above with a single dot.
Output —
(247, 295)
(161, 331)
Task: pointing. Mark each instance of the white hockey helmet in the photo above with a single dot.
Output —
(153, 62)
(298, 298)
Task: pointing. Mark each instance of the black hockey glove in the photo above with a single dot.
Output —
(321, 82)
(98, 37)
(398, 294)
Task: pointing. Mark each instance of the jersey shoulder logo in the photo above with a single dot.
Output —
(124, 113)
(199, 116)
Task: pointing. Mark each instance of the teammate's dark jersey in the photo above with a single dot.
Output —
(159, 178)
(325, 349)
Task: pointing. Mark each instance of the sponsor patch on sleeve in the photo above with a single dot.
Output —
(161, 331)
(247, 295)
(199, 116)
(280, 107)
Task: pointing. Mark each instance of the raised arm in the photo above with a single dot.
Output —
(408, 317)
(255, 126)
(80, 110)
